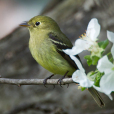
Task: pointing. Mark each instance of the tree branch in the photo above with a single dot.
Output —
(34, 81)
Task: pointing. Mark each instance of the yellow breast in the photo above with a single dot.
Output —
(44, 52)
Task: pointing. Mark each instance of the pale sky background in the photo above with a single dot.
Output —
(14, 12)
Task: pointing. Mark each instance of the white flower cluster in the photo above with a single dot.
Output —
(88, 40)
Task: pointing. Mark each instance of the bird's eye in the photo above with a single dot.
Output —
(37, 23)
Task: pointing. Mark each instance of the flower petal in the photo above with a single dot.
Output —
(110, 36)
(112, 50)
(78, 63)
(100, 90)
(104, 65)
(107, 84)
(80, 45)
(83, 44)
(93, 29)
(81, 78)
(74, 51)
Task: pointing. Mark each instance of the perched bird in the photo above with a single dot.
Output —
(46, 44)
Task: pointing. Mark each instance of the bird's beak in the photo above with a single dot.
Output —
(25, 24)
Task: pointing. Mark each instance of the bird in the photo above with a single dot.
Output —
(46, 45)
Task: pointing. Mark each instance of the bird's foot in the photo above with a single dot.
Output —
(60, 79)
(45, 80)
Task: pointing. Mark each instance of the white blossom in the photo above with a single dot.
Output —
(79, 76)
(88, 40)
(110, 36)
(107, 80)
(104, 65)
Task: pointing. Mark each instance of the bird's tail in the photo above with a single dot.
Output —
(98, 99)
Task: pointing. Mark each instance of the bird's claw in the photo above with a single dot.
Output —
(60, 81)
(45, 80)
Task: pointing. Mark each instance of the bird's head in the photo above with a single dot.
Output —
(40, 23)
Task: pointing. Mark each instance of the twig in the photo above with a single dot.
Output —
(34, 81)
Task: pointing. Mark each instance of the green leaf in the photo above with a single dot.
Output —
(103, 44)
(91, 76)
(83, 88)
(97, 79)
(89, 60)
(95, 60)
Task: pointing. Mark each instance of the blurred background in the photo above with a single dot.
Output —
(14, 12)
(16, 61)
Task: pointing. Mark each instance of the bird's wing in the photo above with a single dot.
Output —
(61, 45)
